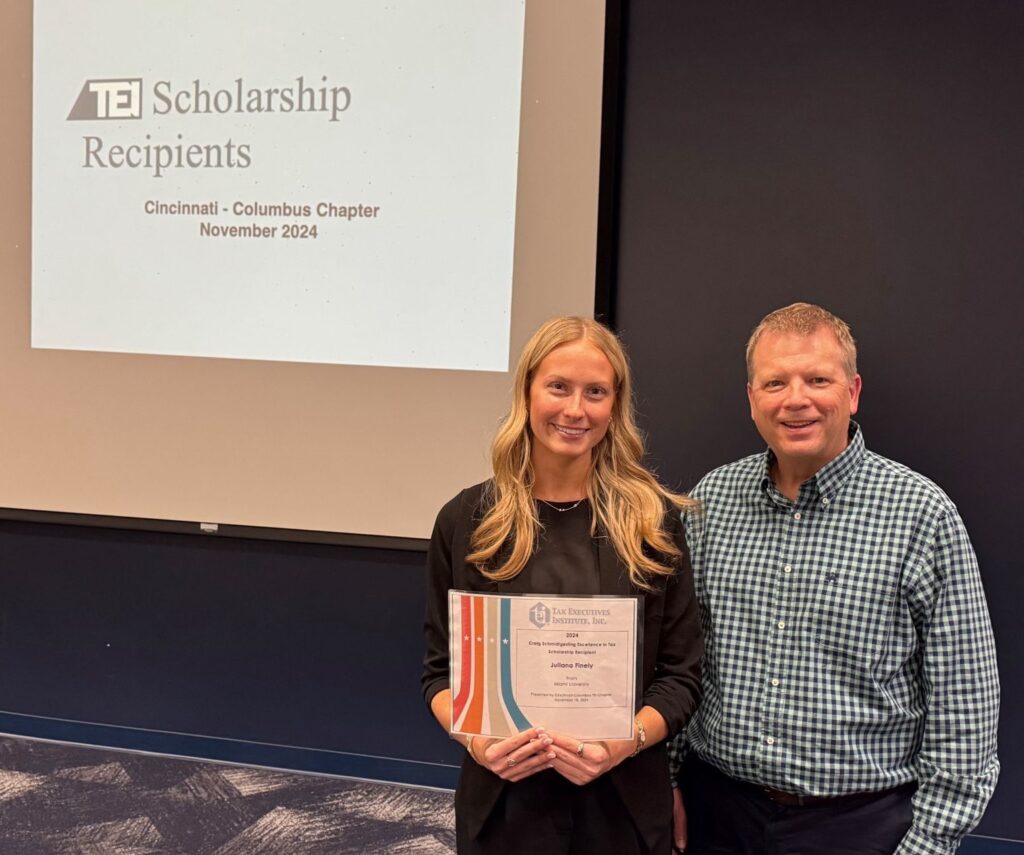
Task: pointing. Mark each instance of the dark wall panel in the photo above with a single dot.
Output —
(867, 156)
(293, 645)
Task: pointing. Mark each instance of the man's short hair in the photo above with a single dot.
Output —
(805, 319)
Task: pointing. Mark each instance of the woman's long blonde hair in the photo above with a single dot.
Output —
(628, 502)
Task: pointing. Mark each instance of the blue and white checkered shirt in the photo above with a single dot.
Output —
(847, 640)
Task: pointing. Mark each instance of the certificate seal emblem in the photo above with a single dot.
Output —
(540, 615)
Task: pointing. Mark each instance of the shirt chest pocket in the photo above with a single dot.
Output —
(852, 609)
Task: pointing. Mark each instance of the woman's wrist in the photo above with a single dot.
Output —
(639, 736)
(618, 750)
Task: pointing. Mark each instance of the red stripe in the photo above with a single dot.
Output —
(467, 660)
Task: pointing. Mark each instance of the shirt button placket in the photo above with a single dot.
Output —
(777, 651)
(783, 643)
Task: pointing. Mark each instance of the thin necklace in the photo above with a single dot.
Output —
(563, 510)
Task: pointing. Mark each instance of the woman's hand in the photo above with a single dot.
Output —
(515, 757)
(582, 762)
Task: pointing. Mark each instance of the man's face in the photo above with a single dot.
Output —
(801, 398)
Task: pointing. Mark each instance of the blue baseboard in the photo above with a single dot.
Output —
(388, 769)
(990, 846)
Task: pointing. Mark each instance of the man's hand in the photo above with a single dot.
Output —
(678, 820)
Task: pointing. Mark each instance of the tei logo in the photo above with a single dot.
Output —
(110, 98)
(540, 615)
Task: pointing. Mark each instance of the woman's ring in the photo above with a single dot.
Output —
(511, 762)
(579, 749)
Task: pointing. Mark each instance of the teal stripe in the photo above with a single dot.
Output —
(521, 722)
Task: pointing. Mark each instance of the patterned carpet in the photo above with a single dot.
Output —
(72, 800)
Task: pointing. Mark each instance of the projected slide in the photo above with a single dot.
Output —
(309, 181)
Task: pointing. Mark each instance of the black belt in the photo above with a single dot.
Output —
(781, 797)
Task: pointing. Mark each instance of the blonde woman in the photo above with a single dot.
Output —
(570, 510)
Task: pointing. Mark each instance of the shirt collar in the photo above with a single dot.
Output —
(831, 477)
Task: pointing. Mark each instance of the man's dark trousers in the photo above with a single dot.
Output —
(729, 817)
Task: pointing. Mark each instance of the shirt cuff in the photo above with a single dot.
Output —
(917, 842)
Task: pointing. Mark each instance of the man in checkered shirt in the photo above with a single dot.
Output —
(850, 686)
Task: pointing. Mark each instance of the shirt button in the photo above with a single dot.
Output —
(796, 516)
(787, 569)
(782, 624)
(770, 740)
(825, 501)
(775, 681)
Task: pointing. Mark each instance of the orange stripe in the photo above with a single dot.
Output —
(475, 716)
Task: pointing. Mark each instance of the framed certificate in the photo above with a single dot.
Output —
(564, 663)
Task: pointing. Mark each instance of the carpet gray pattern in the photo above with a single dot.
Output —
(73, 800)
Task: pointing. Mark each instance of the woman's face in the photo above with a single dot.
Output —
(571, 398)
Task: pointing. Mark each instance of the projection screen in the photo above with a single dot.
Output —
(268, 265)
